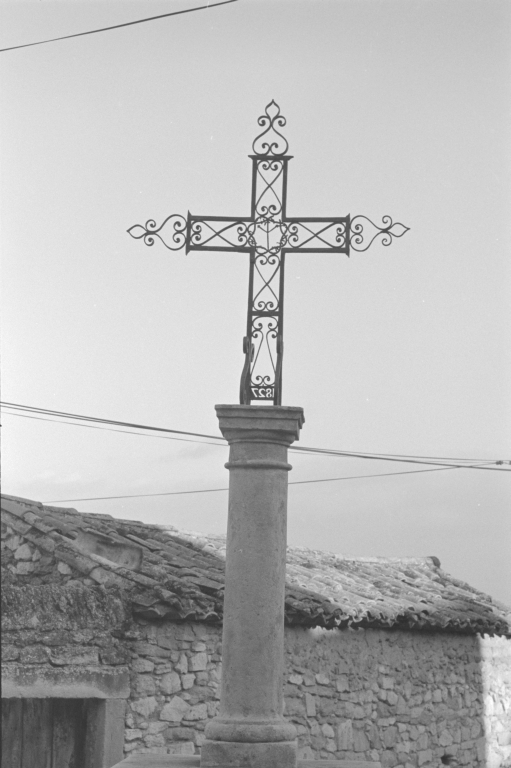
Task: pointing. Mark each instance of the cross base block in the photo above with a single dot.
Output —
(237, 754)
(194, 761)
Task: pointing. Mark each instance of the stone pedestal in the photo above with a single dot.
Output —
(250, 731)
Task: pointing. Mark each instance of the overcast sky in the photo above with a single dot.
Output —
(393, 107)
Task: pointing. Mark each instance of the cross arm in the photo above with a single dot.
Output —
(198, 233)
(338, 235)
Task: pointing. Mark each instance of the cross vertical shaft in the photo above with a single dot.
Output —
(263, 344)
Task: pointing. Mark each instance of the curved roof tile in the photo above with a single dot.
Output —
(180, 575)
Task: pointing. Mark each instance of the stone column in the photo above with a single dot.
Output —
(250, 730)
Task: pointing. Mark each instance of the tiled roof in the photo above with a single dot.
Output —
(178, 575)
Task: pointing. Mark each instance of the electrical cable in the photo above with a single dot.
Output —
(118, 26)
(32, 409)
(410, 459)
(292, 482)
(121, 431)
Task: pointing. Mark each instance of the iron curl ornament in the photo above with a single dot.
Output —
(267, 235)
(270, 141)
(389, 230)
(177, 226)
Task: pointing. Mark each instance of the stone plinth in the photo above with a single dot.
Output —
(250, 730)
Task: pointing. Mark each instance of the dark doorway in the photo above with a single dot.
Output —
(48, 733)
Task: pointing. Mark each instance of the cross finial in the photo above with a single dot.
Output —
(271, 141)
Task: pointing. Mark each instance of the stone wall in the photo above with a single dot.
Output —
(59, 642)
(496, 674)
(406, 699)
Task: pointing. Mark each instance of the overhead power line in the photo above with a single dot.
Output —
(291, 482)
(402, 458)
(118, 26)
(121, 431)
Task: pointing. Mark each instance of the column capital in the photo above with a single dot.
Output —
(260, 423)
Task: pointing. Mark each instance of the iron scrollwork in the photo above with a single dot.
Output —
(267, 235)
(359, 234)
(178, 227)
(271, 141)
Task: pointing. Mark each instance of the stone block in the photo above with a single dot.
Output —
(24, 567)
(390, 736)
(187, 681)
(24, 552)
(197, 712)
(392, 698)
(345, 736)
(423, 741)
(148, 649)
(445, 739)
(213, 708)
(144, 685)
(115, 655)
(182, 664)
(310, 705)
(360, 741)
(182, 734)
(156, 726)
(170, 683)
(154, 740)
(55, 607)
(73, 682)
(13, 542)
(175, 710)
(73, 655)
(225, 754)
(388, 758)
(36, 654)
(9, 653)
(144, 707)
(425, 756)
(504, 738)
(133, 733)
(198, 661)
(142, 665)
(182, 748)
(294, 706)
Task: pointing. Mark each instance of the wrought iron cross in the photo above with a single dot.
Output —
(268, 234)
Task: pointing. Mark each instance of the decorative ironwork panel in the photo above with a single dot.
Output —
(318, 235)
(218, 233)
(261, 378)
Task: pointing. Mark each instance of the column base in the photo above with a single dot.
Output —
(237, 754)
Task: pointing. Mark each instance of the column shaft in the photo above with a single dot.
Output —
(250, 730)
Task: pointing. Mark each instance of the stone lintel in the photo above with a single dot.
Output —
(44, 682)
(260, 423)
